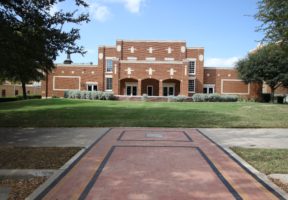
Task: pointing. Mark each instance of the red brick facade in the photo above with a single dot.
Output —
(10, 89)
(155, 68)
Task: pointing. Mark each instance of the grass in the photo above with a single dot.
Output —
(85, 113)
(268, 161)
(35, 157)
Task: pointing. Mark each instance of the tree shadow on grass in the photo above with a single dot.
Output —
(120, 116)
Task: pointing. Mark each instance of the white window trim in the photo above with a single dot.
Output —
(91, 83)
(209, 86)
(130, 84)
(239, 80)
(191, 92)
(150, 58)
(169, 85)
(169, 59)
(195, 65)
(131, 58)
(54, 78)
(106, 59)
(108, 90)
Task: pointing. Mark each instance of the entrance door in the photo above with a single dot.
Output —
(131, 90)
(168, 91)
(150, 90)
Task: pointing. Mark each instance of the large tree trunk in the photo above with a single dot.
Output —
(24, 89)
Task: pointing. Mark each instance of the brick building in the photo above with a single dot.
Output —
(155, 68)
(9, 89)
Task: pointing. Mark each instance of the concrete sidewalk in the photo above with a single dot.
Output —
(50, 137)
(250, 138)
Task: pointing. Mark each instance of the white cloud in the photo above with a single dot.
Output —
(99, 12)
(221, 62)
(133, 6)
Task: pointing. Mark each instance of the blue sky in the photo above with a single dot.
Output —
(225, 28)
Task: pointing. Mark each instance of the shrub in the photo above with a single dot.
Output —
(266, 97)
(199, 97)
(17, 98)
(144, 97)
(66, 94)
(82, 94)
(7, 99)
(95, 95)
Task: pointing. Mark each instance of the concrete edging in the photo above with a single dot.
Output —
(42, 189)
(55, 176)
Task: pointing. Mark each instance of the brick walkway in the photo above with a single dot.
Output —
(156, 164)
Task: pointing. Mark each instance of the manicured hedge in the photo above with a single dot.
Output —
(92, 95)
(17, 98)
(199, 97)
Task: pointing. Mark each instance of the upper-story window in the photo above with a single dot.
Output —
(191, 67)
(109, 65)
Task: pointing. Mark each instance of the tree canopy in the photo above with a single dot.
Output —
(274, 17)
(267, 64)
(31, 37)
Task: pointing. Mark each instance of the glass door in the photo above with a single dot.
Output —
(150, 90)
(131, 90)
(168, 91)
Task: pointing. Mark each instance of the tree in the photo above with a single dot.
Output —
(274, 16)
(31, 38)
(267, 64)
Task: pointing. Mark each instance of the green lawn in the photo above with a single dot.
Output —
(268, 161)
(81, 113)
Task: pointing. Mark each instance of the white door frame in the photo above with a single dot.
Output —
(152, 89)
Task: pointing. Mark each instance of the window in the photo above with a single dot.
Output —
(108, 83)
(191, 86)
(192, 67)
(109, 65)
(16, 92)
(3, 93)
(92, 87)
(28, 92)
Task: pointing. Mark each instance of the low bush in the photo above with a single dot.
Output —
(144, 97)
(179, 98)
(92, 95)
(266, 97)
(17, 98)
(200, 97)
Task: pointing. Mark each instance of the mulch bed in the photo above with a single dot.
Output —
(35, 157)
(22, 188)
(283, 186)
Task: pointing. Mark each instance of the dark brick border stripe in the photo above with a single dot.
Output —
(91, 183)
(184, 132)
(65, 172)
(268, 187)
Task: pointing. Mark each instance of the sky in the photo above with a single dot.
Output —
(225, 28)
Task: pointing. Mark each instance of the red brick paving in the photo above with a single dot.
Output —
(126, 164)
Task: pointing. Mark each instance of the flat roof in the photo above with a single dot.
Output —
(171, 41)
(229, 68)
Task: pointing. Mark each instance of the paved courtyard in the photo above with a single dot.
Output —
(156, 163)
